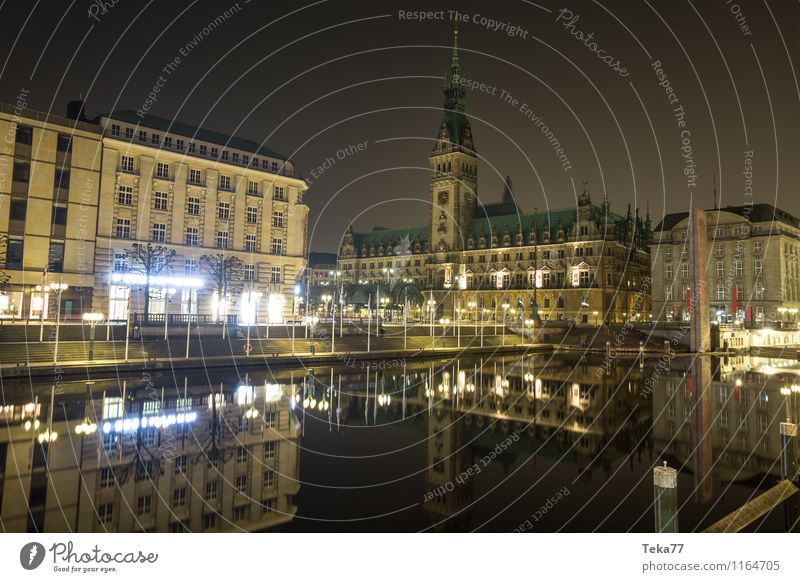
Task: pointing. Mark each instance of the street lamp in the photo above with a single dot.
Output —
(326, 299)
(59, 288)
(294, 312)
(445, 322)
(505, 307)
(92, 319)
(529, 324)
(484, 311)
(595, 313)
(168, 293)
(311, 321)
(385, 303)
(86, 427)
(432, 312)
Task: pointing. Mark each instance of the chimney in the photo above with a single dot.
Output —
(75, 110)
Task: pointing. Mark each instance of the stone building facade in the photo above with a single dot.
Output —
(49, 191)
(493, 261)
(752, 272)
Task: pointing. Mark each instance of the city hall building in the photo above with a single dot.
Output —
(489, 261)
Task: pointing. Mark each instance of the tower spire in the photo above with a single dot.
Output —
(455, 101)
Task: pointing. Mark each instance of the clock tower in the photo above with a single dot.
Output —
(454, 167)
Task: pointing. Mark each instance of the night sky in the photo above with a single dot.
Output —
(310, 79)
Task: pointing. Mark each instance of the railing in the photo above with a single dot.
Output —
(178, 318)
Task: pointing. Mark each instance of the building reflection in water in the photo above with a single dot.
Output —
(566, 411)
(719, 419)
(136, 459)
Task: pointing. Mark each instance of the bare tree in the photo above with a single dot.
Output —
(224, 273)
(149, 260)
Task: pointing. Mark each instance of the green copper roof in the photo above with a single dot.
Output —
(390, 236)
(493, 223)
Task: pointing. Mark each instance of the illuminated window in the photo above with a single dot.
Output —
(112, 407)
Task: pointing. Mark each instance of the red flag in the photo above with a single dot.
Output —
(688, 300)
(734, 297)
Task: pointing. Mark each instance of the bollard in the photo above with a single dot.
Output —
(608, 350)
(789, 450)
(665, 488)
(641, 355)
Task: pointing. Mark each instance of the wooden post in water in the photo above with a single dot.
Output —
(789, 451)
(665, 489)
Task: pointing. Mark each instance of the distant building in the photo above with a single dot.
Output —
(753, 266)
(490, 261)
(322, 277)
(49, 188)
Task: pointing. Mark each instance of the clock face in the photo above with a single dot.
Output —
(443, 197)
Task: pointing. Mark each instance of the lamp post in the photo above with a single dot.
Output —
(252, 298)
(384, 305)
(60, 288)
(432, 313)
(458, 324)
(168, 293)
(529, 324)
(484, 311)
(294, 312)
(444, 321)
(785, 392)
(92, 319)
(311, 321)
(505, 307)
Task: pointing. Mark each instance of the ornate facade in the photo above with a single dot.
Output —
(488, 261)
